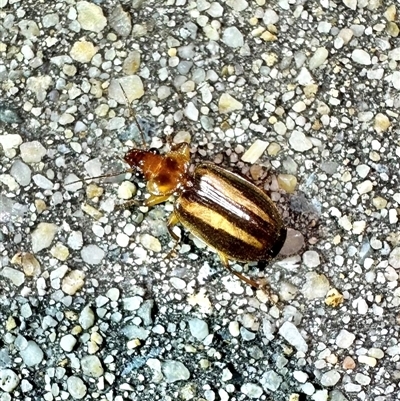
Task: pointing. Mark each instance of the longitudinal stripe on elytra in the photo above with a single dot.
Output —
(217, 221)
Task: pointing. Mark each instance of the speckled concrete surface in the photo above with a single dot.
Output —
(302, 97)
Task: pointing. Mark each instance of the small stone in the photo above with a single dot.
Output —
(132, 303)
(271, 381)
(43, 236)
(316, 286)
(92, 254)
(67, 342)
(352, 4)
(319, 58)
(9, 380)
(254, 152)
(39, 86)
(367, 360)
(15, 276)
(394, 258)
(390, 13)
(151, 243)
(305, 78)
(300, 376)
(381, 123)
(83, 52)
(227, 104)
(132, 63)
(365, 187)
(126, 190)
(232, 37)
(134, 332)
(120, 21)
(60, 251)
(126, 88)
(73, 282)
(86, 318)
(299, 142)
(299, 106)
(376, 353)
(270, 17)
(361, 57)
(91, 366)
(76, 387)
(334, 298)
(32, 152)
(345, 339)
(32, 355)
(21, 172)
(362, 379)
(234, 328)
(174, 371)
(287, 182)
(311, 259)
(90, 16)
(251, 390)
(292, 335)
(198, 329)
(330, 378)
(348, 363)
(191, 112)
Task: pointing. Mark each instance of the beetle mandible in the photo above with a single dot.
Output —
(229, 213)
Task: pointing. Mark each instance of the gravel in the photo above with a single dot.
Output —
(303, 101)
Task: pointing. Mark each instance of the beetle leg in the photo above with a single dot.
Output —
(225, 262)
(153, 200)
(128, 204)
(173, 220)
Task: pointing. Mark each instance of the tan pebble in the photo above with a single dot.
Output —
(334, 298)
(40, 205)
(287, 182)
(91, 211)
(381, 123)
(76, 330)
(348, 363)
(256, 172)
(390, 13)
(60, 251)
(92, 347)
(268, 37)
(273, 149)
(94, 191)
(83, 51)
(316, 125)
(227, 104)
(367, 360)
(392, 29)
(10, 323)
(73, 282)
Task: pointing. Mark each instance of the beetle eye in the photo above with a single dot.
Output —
(154, 151)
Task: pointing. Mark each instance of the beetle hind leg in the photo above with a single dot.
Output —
(173, 220)
(247, 280)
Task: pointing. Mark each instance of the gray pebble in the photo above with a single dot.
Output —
(198, 328)
(91, 366)
(292, 335)
(174, 371)
(270, 380)
(76, 387)
(86, 318)
(32, 355)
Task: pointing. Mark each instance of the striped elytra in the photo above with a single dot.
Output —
(231, 215)
(226, 211)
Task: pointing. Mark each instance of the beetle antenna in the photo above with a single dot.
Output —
(133, 114)
(130, 170)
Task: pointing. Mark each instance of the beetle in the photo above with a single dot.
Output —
(229, 213)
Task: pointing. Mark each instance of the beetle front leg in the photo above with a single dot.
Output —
(248, 281)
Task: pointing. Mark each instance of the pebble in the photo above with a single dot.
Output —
(251, 390)
(132, 89)
(345, 339)
(381, 123)
(292, 335)
(9, 380)
(15, 276)
(270, 17)
(299, 142)
(73, 282)
(83, 52)
(91, 366)
(67, 342)
(32, 355)
(92, 254)
(21, 172)
(330, 378)
(287, 182)
(316, 286)
(174, 371)
(132, 303)
(270, 381)
(76, 387)
(352, 4)
(367, 360)
(361, 57)
(311, 259)
(364, 187)
(10, 142)
(318, 58)
(120, 21)
(32, 152)
(300, 376)
(86, 318)
(132, 332)
(227, 104)
(39, 85)
(43, 236)
(254, 152)
(198, 329)
(126, 190)
(151, 243)
(232, 37)
(90, 16)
